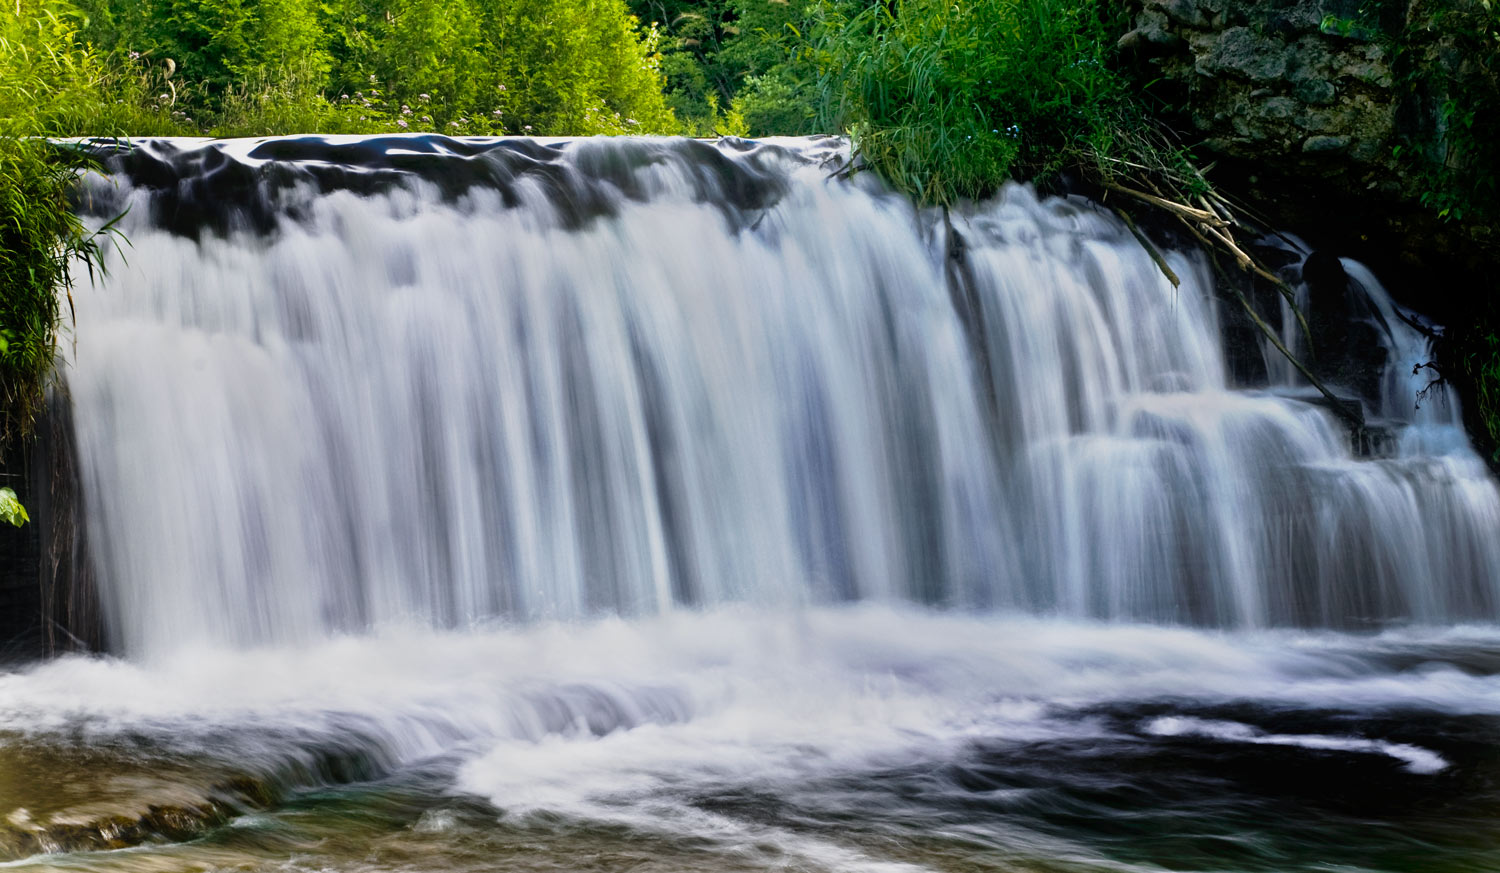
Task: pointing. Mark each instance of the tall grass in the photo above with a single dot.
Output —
(949, 99)
(51, 85)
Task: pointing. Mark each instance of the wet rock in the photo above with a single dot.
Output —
(1150, 39)
(66, 796)
(1183, 12)
(1345, 333)
(1326, 144)
(1316, 92)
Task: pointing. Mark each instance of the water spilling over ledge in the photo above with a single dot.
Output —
(679, 506)
(341, 383)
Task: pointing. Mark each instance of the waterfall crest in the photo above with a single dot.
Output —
(338, 383)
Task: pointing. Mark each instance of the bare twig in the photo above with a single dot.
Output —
(1177, 209)
(1417, 326)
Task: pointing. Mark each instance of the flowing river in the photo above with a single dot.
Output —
(660, 505)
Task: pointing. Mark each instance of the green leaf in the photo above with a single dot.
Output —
(11, 509)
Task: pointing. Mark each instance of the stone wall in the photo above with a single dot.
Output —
(1263, 81)
(1303, 105)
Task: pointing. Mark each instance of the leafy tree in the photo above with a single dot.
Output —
(949, 100)
(463, 66)
(742, 59)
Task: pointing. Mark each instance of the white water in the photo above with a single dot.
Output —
(633, 724)
(398, 408)
(751, 529)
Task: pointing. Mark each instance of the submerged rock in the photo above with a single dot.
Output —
(68, 796)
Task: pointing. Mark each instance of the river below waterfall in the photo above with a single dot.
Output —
(661, 505)
(849, 739)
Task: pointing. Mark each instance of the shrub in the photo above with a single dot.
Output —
(558, 67)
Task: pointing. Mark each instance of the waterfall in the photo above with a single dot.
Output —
(338, 384)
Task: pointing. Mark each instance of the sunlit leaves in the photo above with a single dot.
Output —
(11, 510)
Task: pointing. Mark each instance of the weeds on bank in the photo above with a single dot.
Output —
(51, 84)
(949, 100)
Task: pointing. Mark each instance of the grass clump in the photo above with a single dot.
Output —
(51, 85)
(948, 100)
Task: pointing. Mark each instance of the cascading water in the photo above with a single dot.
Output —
(652, 374)
(538, 505)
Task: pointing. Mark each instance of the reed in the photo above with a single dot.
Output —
(51, 85)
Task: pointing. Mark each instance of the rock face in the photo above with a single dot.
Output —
(1350, 123)
(1311, 114)
(48, 601)
(1269, 84)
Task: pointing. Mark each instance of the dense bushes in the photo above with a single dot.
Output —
(737, 66)
(462, 66)
(1448, 55)
(144, 67)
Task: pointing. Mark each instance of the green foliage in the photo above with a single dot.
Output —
(578, 67)
(1446, 54)
(1482, 363)
(51, 84)
(1461, 164)
(1348, 28)
(948, 100)
(775, 103)
(736, 66)
(11, 510)
(555, 67)
(253, 67)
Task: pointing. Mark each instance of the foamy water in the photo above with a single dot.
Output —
(675, 506)
(631, 725)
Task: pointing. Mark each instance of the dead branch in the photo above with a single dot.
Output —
(1161, 262)
(1178, 209)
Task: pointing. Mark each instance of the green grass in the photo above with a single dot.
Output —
(51, 84)
(949, 100)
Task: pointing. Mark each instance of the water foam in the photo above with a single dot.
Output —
(1414, 758)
